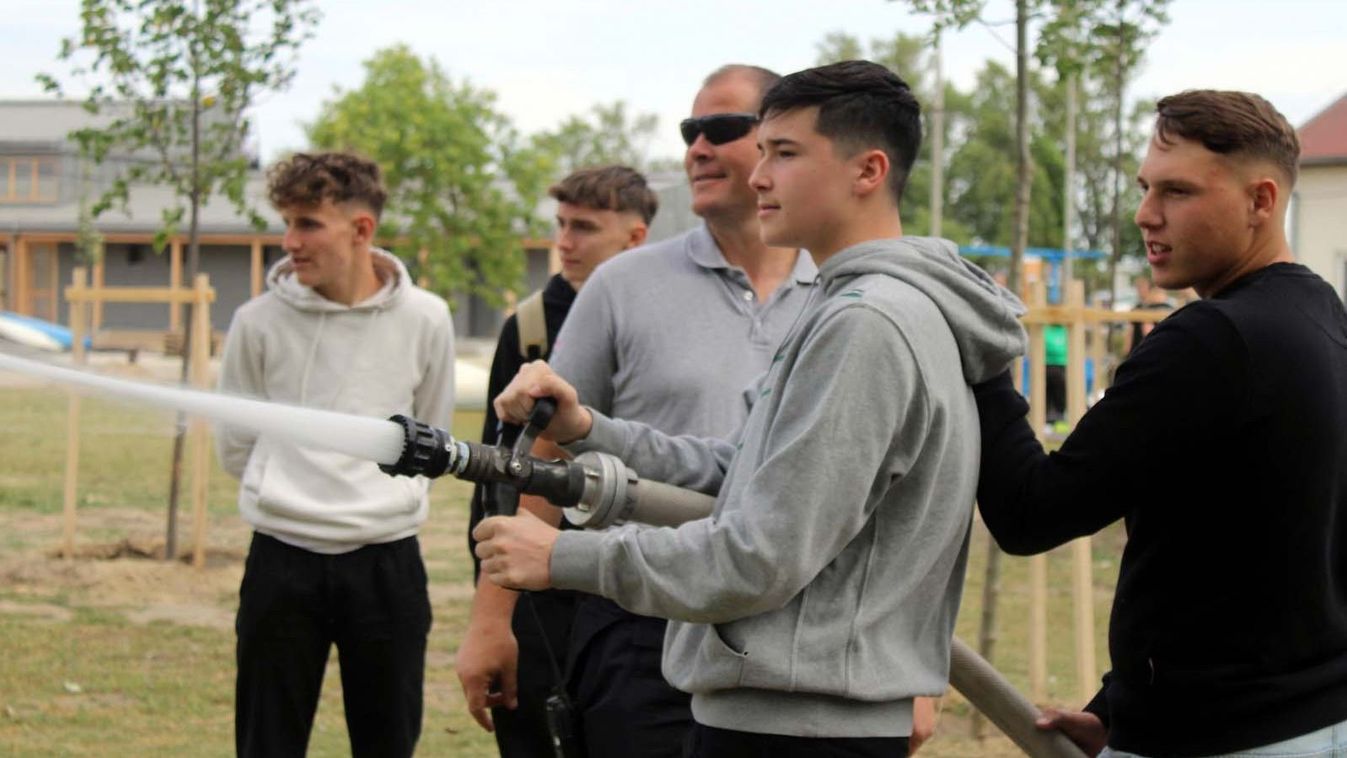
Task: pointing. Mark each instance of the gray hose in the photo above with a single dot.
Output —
(661, 504)
(1003, 705)
(615, 494)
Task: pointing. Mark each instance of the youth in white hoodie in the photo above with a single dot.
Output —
(391, 353)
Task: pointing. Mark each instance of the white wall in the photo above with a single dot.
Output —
(1320, 226)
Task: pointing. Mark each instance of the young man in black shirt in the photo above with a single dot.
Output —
(1223, 444)
(600, 213)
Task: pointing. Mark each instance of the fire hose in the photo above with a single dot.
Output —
(597, 490)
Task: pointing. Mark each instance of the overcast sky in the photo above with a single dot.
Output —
(547, 59)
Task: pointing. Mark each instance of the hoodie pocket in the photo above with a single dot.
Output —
(717, 665)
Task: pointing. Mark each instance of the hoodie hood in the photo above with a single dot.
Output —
(393, 275)
(983, 315)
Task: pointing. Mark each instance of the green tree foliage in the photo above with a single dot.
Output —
(606, 135)
(462, 184)
(957, 14)
(980, 170)
(171, 82)
(1102, 42)
(1116, 34)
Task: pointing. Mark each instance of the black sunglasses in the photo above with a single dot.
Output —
(719, 128)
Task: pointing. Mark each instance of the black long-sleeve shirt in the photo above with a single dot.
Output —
(558, 296)
(1223, 444)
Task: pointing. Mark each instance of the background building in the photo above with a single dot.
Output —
(42, 180)
(1319, 203)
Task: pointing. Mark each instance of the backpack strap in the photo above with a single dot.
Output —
(532, 324)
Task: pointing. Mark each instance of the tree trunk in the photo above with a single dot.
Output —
(193, 266)
(1115, 254)
(938, 146)
(992, 576)
(1023, 168)
(1069, 181)
(991, 593)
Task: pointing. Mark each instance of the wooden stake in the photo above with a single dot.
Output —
(1038, 564)
(100, 271)
(175, 283)
(79, 279)
(255, 268)
(21, 286)
(200, 375)
(1082, 564)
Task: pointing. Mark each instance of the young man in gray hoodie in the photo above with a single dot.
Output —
(819, 598)
(334, 557)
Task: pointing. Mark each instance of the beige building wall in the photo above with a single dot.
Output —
(1320, 227)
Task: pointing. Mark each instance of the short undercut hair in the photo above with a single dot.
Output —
(1238, 124)
(608, 188)
(861, 106)
(307, 179)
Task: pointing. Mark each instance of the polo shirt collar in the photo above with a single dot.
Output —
(704, 252)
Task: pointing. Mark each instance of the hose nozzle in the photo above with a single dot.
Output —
(426, 451)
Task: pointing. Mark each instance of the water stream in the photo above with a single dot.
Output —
(367, 438)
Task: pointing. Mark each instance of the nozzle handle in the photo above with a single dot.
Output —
(521, 456)
(541, 415)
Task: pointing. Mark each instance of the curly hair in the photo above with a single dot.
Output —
(307, 179)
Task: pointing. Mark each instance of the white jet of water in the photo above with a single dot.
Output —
(370, 439)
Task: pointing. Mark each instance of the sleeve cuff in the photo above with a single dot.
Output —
(999, 404)
(575, 561)
(1098, 705)
(605, 436)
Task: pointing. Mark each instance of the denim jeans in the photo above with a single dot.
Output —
(1329, 742)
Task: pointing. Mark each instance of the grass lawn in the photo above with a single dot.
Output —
(115, 654)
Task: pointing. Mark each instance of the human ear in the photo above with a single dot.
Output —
(1263, 195)
(872, 171)
(636, 234)
(364, 224)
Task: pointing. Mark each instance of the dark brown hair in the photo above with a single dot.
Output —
(307, 179)
(1239, 124)
(608, 188)
(861, 105)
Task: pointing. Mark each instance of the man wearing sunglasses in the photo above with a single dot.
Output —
(671, 334)
(817, 602)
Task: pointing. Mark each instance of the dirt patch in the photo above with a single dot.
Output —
(185, 615)
(126, 575)
(44, 611)
(140, 548)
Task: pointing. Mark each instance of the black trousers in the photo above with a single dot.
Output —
(293, 606)
(710, 742)
(623, 705)
(1054, 393)
(522, 732)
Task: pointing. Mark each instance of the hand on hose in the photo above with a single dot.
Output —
(487, 662)
(537, 379)
(516, 551)
(1081, 727)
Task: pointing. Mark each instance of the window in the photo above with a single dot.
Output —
(29, 180)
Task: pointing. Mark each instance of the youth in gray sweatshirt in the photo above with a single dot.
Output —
(820, 596)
